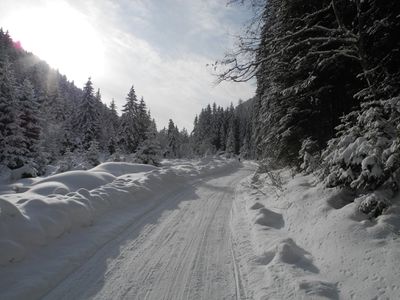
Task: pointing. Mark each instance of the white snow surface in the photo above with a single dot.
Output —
(201, 229)
(299, 240)
(50, 226)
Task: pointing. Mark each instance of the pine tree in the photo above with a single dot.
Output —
(128, 131)
(29, 120)
(231, 141)
(112, 127)
(173, 140)
(12, 152)
(149, 152)
(88, 117)
(143, 120)
(92, 154)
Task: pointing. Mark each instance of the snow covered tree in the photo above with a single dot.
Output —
(111, 127)
(309, 154)
(173, 140)
(92, 154)
(12, 152)
(364, 155)
(185, 147)
(149, 151)
(128, 130)
(29, 121)
(143, 120)
(231, 142)
(88, 117)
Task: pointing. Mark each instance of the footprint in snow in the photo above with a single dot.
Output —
(257, 205)
(324, 289)
(286, 251)
(269, 218)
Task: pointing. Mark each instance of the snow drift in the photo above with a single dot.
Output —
(50, 207)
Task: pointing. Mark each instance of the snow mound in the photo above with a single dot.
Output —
(73, 180)
(50, 187)
(269, 218)
(314, 288)
(121, 168)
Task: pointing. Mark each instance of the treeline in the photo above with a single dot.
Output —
(327, 88)
(44, 118)
(227, 130)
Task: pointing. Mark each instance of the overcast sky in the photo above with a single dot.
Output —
(161, 47)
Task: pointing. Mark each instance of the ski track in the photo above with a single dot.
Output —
(182, 249)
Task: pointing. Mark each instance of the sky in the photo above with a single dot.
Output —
(161, 47)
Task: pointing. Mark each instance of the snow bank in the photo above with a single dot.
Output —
(122, 168)
(53, 206)
(71, 181)
(302, 241)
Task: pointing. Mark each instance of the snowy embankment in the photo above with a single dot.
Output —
(43, 210)
(295, 239)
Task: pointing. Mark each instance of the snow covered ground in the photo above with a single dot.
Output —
(296, 240)
(49, 226)
(205, 229)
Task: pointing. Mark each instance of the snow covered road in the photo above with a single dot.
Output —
(180, 250)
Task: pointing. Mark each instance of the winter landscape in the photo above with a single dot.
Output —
(202, 149)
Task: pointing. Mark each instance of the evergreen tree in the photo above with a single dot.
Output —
(143, 120)
(149, 152)
(128, 132)
(112, 127)
(88, 117)
(231, 141)
(29, 120)
(12, 152)
(92, 154)
(173, 140)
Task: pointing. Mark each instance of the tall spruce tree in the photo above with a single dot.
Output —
(173, 140)
(29, 120)
(128, 131)
(12, 152)
(88, 117)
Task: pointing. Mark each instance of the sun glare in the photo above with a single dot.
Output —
(61, 36)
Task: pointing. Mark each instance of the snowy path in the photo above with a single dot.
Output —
(180, 250)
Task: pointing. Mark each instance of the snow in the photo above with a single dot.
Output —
(194, 229)
(121, 168)
(49, 215)
(303, 241)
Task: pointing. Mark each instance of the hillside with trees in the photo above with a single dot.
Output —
(46, 119)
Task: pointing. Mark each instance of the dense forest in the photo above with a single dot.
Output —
(327, 101)
(328, 87)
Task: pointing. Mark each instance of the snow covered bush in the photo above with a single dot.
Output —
(148, 153)
(310, 155)
(116, 156)
(67, 163)
(92, 155)
(372, 204)
(365, 155)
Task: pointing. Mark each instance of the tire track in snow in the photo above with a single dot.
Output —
(175, 252)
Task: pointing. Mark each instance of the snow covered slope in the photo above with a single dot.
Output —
(297, 240)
